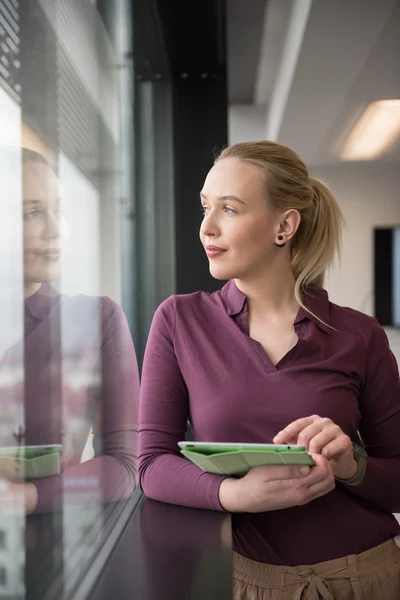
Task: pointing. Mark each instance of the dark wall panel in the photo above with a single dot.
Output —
(200, 128)
(195, 43)
(194, 35)
(383, 275)
(185, 43)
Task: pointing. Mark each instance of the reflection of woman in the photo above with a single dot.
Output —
(267, 354)
(79, 362)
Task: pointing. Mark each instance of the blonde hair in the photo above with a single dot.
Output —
(289, 186)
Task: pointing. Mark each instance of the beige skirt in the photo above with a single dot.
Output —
(371, 575)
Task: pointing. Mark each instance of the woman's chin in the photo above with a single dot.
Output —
(44, 275)
(222, 274)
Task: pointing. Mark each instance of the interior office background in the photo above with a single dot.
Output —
(317, 67)
(131, 99)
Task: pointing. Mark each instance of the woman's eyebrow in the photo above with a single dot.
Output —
(59, 201)
(232, 198)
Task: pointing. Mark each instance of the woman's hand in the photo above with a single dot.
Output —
(18, 497)
(273, 487)
(322, 436)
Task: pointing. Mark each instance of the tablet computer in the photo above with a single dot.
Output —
(238, 458)
(30, 451)
(19, 463)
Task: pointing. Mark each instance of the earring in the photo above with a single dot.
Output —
(280, 237)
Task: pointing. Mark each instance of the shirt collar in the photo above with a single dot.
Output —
(233, 298)
(40, 303)
(315, 299)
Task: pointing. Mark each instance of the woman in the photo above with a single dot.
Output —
(80, 370)
(270, 358)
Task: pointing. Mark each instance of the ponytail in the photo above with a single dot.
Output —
(318, 238)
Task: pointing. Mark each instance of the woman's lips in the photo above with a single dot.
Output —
(214, 251)
(52, 254)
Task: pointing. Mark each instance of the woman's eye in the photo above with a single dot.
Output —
(227, 209)
(32, 214)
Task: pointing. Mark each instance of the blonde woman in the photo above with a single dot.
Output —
(78, 366)
(270, 358)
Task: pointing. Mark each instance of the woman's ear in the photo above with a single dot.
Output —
(289, 223)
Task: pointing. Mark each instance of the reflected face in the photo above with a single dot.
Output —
(44, 225)
(238, 229)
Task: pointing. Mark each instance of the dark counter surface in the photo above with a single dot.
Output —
(170, 553)
(142, 550)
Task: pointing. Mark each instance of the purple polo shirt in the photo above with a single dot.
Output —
(79, 375)
(201, 364)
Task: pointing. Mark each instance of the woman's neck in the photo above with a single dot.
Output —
(270, 292)
(30, 289)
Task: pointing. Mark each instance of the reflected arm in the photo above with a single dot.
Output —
(112, 473)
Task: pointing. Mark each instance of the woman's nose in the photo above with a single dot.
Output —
(53, 226)
(209, 226)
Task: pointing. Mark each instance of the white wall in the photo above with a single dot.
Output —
(11, 260)
(246, 123)
(80, 273)
(369, 195)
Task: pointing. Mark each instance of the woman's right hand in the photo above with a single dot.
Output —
(274, 487)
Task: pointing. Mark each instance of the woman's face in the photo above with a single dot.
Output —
(44, 225)
(237, 220)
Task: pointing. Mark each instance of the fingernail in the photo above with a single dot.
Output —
(304, 470)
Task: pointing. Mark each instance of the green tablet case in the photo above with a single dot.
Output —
(239, 462)
(15, 468)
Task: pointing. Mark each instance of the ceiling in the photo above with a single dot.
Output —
(316, 69)
(244, 30)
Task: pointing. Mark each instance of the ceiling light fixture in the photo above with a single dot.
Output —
(375, 131)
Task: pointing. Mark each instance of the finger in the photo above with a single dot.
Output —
(338, 447)
(286, 439)
(321, 488)
(293, 429)
(319, 472)
(281, 472)
(318, 443)
(320, 461)
(304, 438)
(318, 483)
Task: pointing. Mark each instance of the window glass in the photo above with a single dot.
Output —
(69, 380)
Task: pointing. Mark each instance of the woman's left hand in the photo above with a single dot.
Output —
(322, 436)
(18, 497)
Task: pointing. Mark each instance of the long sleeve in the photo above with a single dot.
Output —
(380, 425)
(164, 409)
(112, 473)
